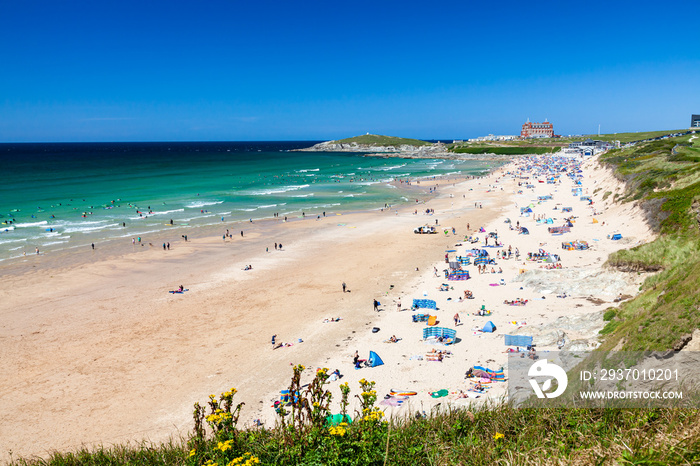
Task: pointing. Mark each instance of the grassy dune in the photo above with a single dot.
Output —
(665, 177)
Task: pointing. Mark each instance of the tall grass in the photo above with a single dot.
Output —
(472, 435)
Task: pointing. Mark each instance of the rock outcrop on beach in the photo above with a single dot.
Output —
(579, 283)
(579, 332)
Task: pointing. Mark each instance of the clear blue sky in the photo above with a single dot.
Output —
(283, 70)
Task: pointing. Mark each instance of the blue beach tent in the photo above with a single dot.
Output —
(489, 327)
(374, 360)
(616, 236)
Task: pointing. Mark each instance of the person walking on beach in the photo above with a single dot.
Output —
(376, 305)
(274, 338)
(344, 287)
(241, 233)
(398, 305)
(93, 246)
(457, 321)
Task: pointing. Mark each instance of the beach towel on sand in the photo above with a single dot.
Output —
(393, 401)
(439, 393)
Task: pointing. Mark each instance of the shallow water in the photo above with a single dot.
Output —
(61, 196)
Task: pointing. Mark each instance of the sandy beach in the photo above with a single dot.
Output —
(99, 352)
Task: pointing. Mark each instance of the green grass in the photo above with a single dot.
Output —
(376, 140)
(665, 177)
(501, 435)
(629, 137)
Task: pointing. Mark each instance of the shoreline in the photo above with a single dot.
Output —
(144, 341)
(118, 247)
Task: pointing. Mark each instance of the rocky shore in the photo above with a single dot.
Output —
(432, 151)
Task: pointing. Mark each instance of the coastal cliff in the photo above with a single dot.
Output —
(431, 151)
(389, 146)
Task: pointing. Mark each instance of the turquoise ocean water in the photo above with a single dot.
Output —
(61, 196)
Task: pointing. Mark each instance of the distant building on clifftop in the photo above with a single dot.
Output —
(695, 121)
(537, 130)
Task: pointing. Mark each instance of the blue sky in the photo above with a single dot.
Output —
(309, 70)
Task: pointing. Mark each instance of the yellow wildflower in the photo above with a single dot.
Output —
(223, 446)
(192, 452)
(337, 431)
(498, 436)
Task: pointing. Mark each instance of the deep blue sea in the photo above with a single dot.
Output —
(60, 196)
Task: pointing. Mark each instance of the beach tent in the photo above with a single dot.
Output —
(518, 340)
(594, 220)
(550, 221)
(616, 236)
(459, 275)
(495, 376)
(432, 320)
(481, 260)
(286, 397)
(524, 231)
(374, 360)
(448, 335)
(489, 327)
